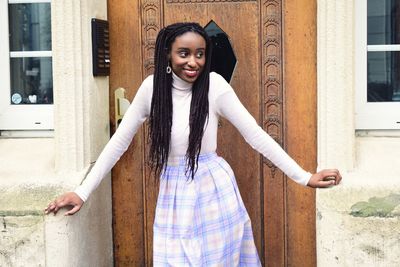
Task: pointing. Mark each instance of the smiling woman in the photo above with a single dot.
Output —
(200, 217)
(179, 45)
(187, 56)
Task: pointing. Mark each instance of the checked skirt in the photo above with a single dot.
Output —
(202, 222)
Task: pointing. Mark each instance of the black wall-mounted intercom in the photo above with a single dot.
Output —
(100, 47)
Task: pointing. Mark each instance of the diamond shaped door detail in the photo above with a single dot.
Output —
(223, 59)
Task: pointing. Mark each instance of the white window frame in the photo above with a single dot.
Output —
(19, 117)
(372, 115)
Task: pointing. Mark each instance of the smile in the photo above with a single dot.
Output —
(191, 73)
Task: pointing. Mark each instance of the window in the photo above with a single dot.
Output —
(223, 59)
(26, 92)
(377, 64)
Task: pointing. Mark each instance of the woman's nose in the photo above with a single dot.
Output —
(192, 61)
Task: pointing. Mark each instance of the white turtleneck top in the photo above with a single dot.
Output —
(222, 102)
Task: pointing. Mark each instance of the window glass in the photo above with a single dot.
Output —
(30, 27)
(223, 59)
(31, 80)
(383, 22)
(383, 76)
(30, 53)
(383, 57)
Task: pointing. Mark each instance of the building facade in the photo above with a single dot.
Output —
(44, 152)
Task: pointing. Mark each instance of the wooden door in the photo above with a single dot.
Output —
(275, 78)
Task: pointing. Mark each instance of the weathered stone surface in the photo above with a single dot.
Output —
(22, 241)
(358, 226)
(24, 199)
(376, 206)
(30, 238)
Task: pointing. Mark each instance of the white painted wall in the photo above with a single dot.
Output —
(33, 171)
(368, 160)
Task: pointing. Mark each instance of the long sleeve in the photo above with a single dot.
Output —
(230, 107)
(136, 114)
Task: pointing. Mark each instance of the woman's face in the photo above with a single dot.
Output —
(188, 56)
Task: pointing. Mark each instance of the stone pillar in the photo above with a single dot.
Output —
(33, 171)
(81, 100)
(356, 220)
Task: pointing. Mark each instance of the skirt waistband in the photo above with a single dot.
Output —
(181, 160)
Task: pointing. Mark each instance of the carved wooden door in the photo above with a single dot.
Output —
(275, 78)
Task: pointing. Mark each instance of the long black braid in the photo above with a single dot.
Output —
(161, 103)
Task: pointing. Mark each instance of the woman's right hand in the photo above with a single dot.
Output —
(68, 199)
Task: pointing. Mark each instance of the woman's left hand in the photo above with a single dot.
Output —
(325, 178)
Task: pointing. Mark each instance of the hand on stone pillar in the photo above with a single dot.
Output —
(69, 199)
(325, 178)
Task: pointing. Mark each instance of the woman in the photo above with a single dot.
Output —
(200, 217)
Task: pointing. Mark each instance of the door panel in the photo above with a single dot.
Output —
(245, 80)
(127, 185)
(256, 33)
(301, 124)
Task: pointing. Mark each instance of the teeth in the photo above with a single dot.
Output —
(191, 72)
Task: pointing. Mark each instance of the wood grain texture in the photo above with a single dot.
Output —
(204, 1)
(151, 13)
(301, 125)
(127, 179)
(274, 185)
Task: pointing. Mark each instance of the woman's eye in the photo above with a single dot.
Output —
(200, 54)
(183, 54)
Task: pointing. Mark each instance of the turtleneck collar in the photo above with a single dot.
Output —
(179, 84)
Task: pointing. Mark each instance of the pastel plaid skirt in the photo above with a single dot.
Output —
(202, 222)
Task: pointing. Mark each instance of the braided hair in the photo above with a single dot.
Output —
(160, 119)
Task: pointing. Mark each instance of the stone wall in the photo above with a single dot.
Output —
(30, 238)
(358, 221)
(34, 170)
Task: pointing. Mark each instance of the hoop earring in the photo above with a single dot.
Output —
(169, 70)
